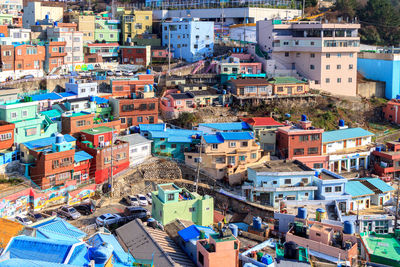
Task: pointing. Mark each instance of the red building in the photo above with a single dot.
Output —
(391, 111)
(125, 87)
(386, 162)
(159, 54)
(301, 141)
(6, 135)
(98, 143)
(82, 164)
(76, 122)
(55, 53)
(137, 55)
(101, 52)
(4, 30)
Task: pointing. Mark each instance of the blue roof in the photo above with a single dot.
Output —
(379, 184)
(32, 248)
(51, 96)
(193, 232)
(349, 133)
(227, 126)
(357, 189)
(81, 156)
(175, 135)
(121, 257)
(67, 94)
(237, 135)
(48, 141)
(28, 263)
(152, 127)
(60, 230)
(213, 139)
(100, 100)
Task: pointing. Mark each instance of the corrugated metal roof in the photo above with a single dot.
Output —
(228, 126)
(349, 133)
(52, 113)
(152, 127)
(213, 139)
(262, 121)
(134, 139)
(81, 156)
(237, 135)
(379, 184)
(51, 96)
(357, 189)
(9, 229)
(193, 232)
(60, 230)
(47, 141)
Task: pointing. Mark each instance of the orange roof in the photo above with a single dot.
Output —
(8, 229)
(218, 216)
(262, 121)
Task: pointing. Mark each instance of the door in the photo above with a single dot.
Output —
(324, 149)
(129, 122)
(381, 201)
(241, 91)
(367, 204)
(289, 90)
(351, 205)
(344, 143)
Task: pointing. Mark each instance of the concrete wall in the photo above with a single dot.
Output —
(371, 88)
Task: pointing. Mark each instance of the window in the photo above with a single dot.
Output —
(313, 150)
(123, 120)
(338, 66)
(192, 209)
(338, 189)
(201, 258)
(80, 123)
(328, 189)
(350, 66)
(171, 197)
(173, 145)
(232, 144)
(242, 158)
(162, 147)
(303, 138)
(288, 181)
(195, 46)
(312, 55)
(214, 146)
(298, 151)
(315, 137)
(280, 89)
(350, 80)
(312, 67)
(231, 160)
(339, 55)
(6, 136)
(339, 80)
(245, 144)
(297, 54)
(24, 113)
(327, 55)
(312, 43)
(351, 55)
(139, 119)
(31, 131)
(253, 155)
(7, 53)
(286, 54)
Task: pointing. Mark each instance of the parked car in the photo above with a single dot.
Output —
(132, 200)
(110, 73)
(23, 220)
(108, 218)
(118, 73)
(149, 199)
(35, 216)
(86, 208)
(29, 76)
(142, 200)
(127, 73)
(133, 213)
(69, 212)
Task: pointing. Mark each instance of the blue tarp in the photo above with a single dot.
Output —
(193, 232)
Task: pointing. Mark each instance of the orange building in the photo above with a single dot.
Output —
(125, 87)
(55, 53)
(391, 111)
(4, 30)
(218, 250)
(29, 57)
(6, 135)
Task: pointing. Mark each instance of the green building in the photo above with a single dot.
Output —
(381, 248)
(29, 124)
(106, 30)
(171, 202)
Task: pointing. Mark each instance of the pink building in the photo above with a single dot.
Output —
(239, 63)
(325, 53)
(218, 251)
(175, 102)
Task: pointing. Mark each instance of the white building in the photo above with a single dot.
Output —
(11, 6)
(40, 11)
(81, 88)
(139, 148)
(19, 35)
(73, 47)
(348, 148)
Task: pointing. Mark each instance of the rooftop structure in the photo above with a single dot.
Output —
(381, 248)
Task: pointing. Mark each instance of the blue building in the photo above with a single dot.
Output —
(279, 180)
(189, 38)
(384, 67)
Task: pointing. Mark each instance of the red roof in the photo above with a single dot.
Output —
(262, 121)
(218, 216)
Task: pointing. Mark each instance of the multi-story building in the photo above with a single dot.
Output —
(239, 63)
(325, 53)
(301, 141)
(134, 22)
(391, 111)
(86, 26)
(55, 53)
(189, 38)
(125, 87)
(101, 52)
(106, 30)
(348, 148)
(171, 202)
(19, 35)
(276, 181)
(212, 128)
(11, 6)
(139, 148)
(50, 161)
(169, 142)
(386, 163)
(8, 152)
(29, 125)
(41, 11)
(264, 129)
(226, 155)
(73, 46)
(82, 165)
(135, 111)
(137, 55)
(81, 88)
(107, 153)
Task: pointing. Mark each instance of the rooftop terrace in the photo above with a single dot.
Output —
(282, 166)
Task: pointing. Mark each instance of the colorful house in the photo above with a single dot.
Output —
(381, 249)
(134, 22)
(170, 142)
(171, 202)
(125, 87)
(386, 162)
(7, 153)
(101, 52)
(226, 155)
(137, 55)
(139, 148)
(106, 30)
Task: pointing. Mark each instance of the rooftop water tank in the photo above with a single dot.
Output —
(267, 259)
(341, 123)
(378, 148)
(303, 117)
(320, 214)
(287, 115)
(234, 229)
(37, 23)
(1, 34)
(148, 71)
(257, 223)
(302, 213)
(59, 138)
(92, 98)
(46, 17)
(100, 254)
(348, 227)
(56, 23)
(291, 250)
(146, 88)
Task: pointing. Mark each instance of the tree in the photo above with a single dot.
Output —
(346, 8)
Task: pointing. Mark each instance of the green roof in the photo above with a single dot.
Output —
(98, 130)
(223, 239)
(382, 245)
(77, 114)
(52, 113)
(284, 80)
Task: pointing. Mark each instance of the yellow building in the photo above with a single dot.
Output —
(85, 24)
(135, 22)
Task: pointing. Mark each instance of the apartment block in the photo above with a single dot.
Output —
(125, 87)
(137, 55)
(189, 38)
(106, 30)
(325, 53)
(55, 53)
(86, 25)
(40, 11)
(108, 52)
(134, 22)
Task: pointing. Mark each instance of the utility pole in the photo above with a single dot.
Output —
(111, 182)
(169, 49)
(302, 11)
(198, 167)
(396, 218)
